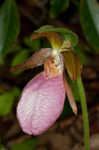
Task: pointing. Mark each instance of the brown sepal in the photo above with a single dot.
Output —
(35, 60)
(70, 96)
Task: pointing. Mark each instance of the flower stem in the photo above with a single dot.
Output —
(84, 111)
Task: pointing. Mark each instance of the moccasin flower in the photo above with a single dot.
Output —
(41, 103)
(42, 99)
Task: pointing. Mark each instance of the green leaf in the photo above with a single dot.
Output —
(28, 144)
(72, 38)
(89, 15)
(45, 28)
(20, 58)
(74, 89)
(13, 49)
(66, 110)
(34, 44)
(66, 33)
(9, 26)
(16, 92)
(57, 7)
(79, 49)
(76, 3)
(2, 147)
(7, 100)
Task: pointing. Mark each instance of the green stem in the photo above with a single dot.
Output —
(84, 111)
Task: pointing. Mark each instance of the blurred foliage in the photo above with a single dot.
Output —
(66, 110)
(16, 48)
(19, 58)
(9, 26)
(27, 144)
(89, 15)
(7, 100)
(75, 90)
(2, 147)
(57, 7)
(79, 49)
(33, 44)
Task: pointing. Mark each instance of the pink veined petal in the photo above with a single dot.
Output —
(41, 103)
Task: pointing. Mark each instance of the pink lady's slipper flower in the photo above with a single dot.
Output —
(42, 99)
(41, 103)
